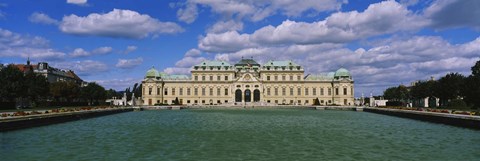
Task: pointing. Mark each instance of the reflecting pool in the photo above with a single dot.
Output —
(242, 134)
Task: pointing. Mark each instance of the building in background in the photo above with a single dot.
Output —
(52, 74)
(248, 83)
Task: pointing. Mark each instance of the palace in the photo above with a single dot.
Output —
(247, 82)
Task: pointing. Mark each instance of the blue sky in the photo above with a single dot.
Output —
(114, 42)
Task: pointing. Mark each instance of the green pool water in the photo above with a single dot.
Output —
(281, 134)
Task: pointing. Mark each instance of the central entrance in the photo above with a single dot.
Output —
(248, 95)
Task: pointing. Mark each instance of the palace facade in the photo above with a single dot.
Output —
(247, 82)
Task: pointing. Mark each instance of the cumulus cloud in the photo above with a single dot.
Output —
(224, 26)
(77, 2)
(117, 24)
(24, 46)
(102, 50)
(42, 18)
(380, 18)
(259, 10)
(188, 14)
(193, 53)
(129, 63)
(177, 70)
(80, 52)
(83, 68)
(454, 13)
(129, 49)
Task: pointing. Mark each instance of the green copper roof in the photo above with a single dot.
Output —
(247, 62)
(214, 63)
(151, 73)
(280, 64)
(342, 72)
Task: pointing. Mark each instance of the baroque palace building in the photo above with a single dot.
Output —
(247, 82)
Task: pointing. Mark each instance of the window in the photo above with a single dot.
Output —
(203, 77)
(306, 91)
(306, 101)
(321, 91)
(188, 91)
(149, 91)
(226, 91)
(299, 78)
(211, 78)
(165, 92)
(276, 101)
(226, 77)
(276, 77)
(218, 78)
(196, 78)
(291, 77)
(276, 91)
(268, 78)
(314, 91)
(203, 91)
(336, 91)
(329, 91)
(203, 101)
(211, 92)
(283, 77)
(291, 91)
(158, 91)
(181, 91)
(195, 92)
(173, 91)
(345, 91)
(351, 90)
(188, 101)
(218, 92)
(284, 91)
(268, 91)
(299, 92)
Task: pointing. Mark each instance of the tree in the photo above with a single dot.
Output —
(449, 87)
(399, 93)
(11, 83)
(476, 69)
(422, 89)
(471, 88)
(93, 93)
(176, 102)
(36, 86)
(65, 90)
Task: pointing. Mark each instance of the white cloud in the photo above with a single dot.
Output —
(42, 18)
(80, 52)
(341, 27)
(193, 53)
(83, 68)
(24, 46)
(102, 50)
(225, 42)
(224, 26)
(129, 63)
(117, 24)
(77, 2)
(259, 10)
(188, 62)
(454, 13)
(188, 14)
(130, 48)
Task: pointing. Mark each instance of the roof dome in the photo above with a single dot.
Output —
(163, 74)
(151, 73)
(342, 72)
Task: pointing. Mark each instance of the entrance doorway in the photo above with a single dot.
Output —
(256, 95)
(248, 95)
(238, 95)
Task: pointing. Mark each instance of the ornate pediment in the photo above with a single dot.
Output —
(247, 77)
